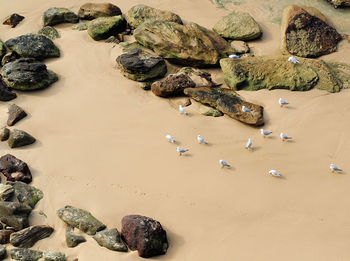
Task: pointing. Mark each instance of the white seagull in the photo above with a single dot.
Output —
(285, 137)
(181, 150)
(182, 110)
(282, 102)
(249, 144)
(224, 164)
(334, 168)
(233, 56)
(265, 132)
(274, 173)
(170, 138)
(245, 109)
(201, 140)
(293, 60)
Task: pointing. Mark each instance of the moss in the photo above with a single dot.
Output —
(104, 27)
(49, 32)
(342, 72)
(43, 83)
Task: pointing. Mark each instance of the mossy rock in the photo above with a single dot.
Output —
(19, 138)
(104, 27)
(209, 111)
(81, 26)
(2, 49)
(50, 32)
(58, 15)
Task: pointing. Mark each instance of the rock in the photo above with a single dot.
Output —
(172, 85)
(240, 47)
(2, 49)
(6, 192)
(141, 13)
(3, 253)
(238, 26)
(189, 44)
(27, 237)
(54, 256)
(305, 33)
(145, 235)
(26, 74)
(4, 134)
(209, 111)
(5, 236)
(5, 93)
(104, 27)
(13, 20)
(26, 194)
(187, 103)
(34, 46)
(24, 254)
(15, 169)
(19, 138)
(228, 102)
(73, 240)
(146, 86)
(9, 57)
(16, 114)
(50, 32)
(139, 65)
(110, 238)
(80, 219)
(90, 11)
(81, 26)
(55, 15)
(275, 72)
(112, 39)
(15, 214)
(127, 47)
(340, 3)
(200, 78)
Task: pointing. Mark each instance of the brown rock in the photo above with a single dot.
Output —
(187, 103)
(4, 134)
(13, 20)
(27, 237)
(172, 85)
(5, 92)
(5, 236)
(16, 113)
(72, 240)
(90, 11)
(15, 169)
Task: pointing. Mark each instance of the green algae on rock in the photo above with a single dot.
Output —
(81, 26)
(57, 15)
(50, 32)
(25, 193)
(110, 239)
(209, 111)
(103, 27)
(15, 214)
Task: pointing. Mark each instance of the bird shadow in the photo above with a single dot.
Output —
(339, 173)
(282, 177)
(289, 108)
(270, 138)
(228, 168)
(186, 155)
(289, 141)
(253, 149)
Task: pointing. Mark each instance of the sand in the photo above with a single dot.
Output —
(101, 147)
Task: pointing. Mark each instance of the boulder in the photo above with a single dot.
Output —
(56, 15)
(27, 74)
(5, 236)
(276, 72)
(15, 214)
(90, 11)
(50, 32)
(139, 65)
(27, 237)
(54, 256)
(306, 33)
(209, 111)
(5, 93)
(20, 138)
(104, 27)
(228, 102)
(199, 77)
(13, 20)
(80, 219)
(24, 254)
(141, 13)
(238, 26)
(110, 238)
(34, 46)
(172, 85)
(3, 253)
(15, 169)
(339, 3)
(145, 235)
(81, 26)
(16, 114)
(25, 193)
(73, 240)
(4, 134)
(6, 192)
(189, 44)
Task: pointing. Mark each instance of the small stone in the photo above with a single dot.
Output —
(240, 47)
(24, 254)
(15, 214)
(6, 192)
(50, 32)
(110, 239)
(90, 11)
(2, 252)
(16, 113)
(54, 256)
(81, 26)
(4, 134)
(73, 240)
(27, 237)
(25, 193)
(209, 111)
(13, 20)
(5, 93)
(15, 169)
(55, 15)
(19, 138)
(5, 236)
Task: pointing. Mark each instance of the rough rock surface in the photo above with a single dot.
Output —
(4, 134)
(56, 15)
(305, 33)
(81, 26)
(20, 138)
(104, 27)
(15, 169)
(9, 57)
(199, 77)
(340, 3)
(5, 93)
(15, 214)
(110, 238)
(209, 111)
(145, 235)
(240, 47)
(26, 194)
(189, 44)
(141, 13)
(172, 85)
(6, 192)
(27, 237)
(24, 254)
(50, 32)
(27, 74)
(80, 219)
(90, 11)
(2, 252)
(5, 236)
(33, 46)
(139, 65)
(2, 49)
(16, 114)
(228, 102)
(73, 240)
(13, 20)
(54, 256)
(238, 26)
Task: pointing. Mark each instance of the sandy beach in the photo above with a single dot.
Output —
(101, 147)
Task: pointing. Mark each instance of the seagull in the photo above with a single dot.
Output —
(200, 139)
(245, 109)
(170, 138)
(265, 132)
(282, 102)
(182, 110)
(224, 164)
(274, 173)
(285, 137)
(293, 60)
(334, 168)
(249, 144)
(233, 56)
(181, 150)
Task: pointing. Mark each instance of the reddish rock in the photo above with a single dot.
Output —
(172, 85)
(13, 20)
(15, 169)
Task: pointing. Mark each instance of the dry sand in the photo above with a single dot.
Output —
(101, 147)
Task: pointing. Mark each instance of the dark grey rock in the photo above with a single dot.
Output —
(24, 254)
(19, 138)
(73, 240)
(2, 252)
(50, 32)
(4, 134)
(55, 15)
(15, 214)
(27, 237)
(54, 256)
(26, 194)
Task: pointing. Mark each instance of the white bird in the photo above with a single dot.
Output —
(334, 168)
(293, 60)
(224, 164)
(233, 56)
(182, 110)
(282, 102)
(181, 150)
(170, 138)
(265, 132)
(274, 173)
(285, 137)
(245, 109)
(249, 144)
(200, 139)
